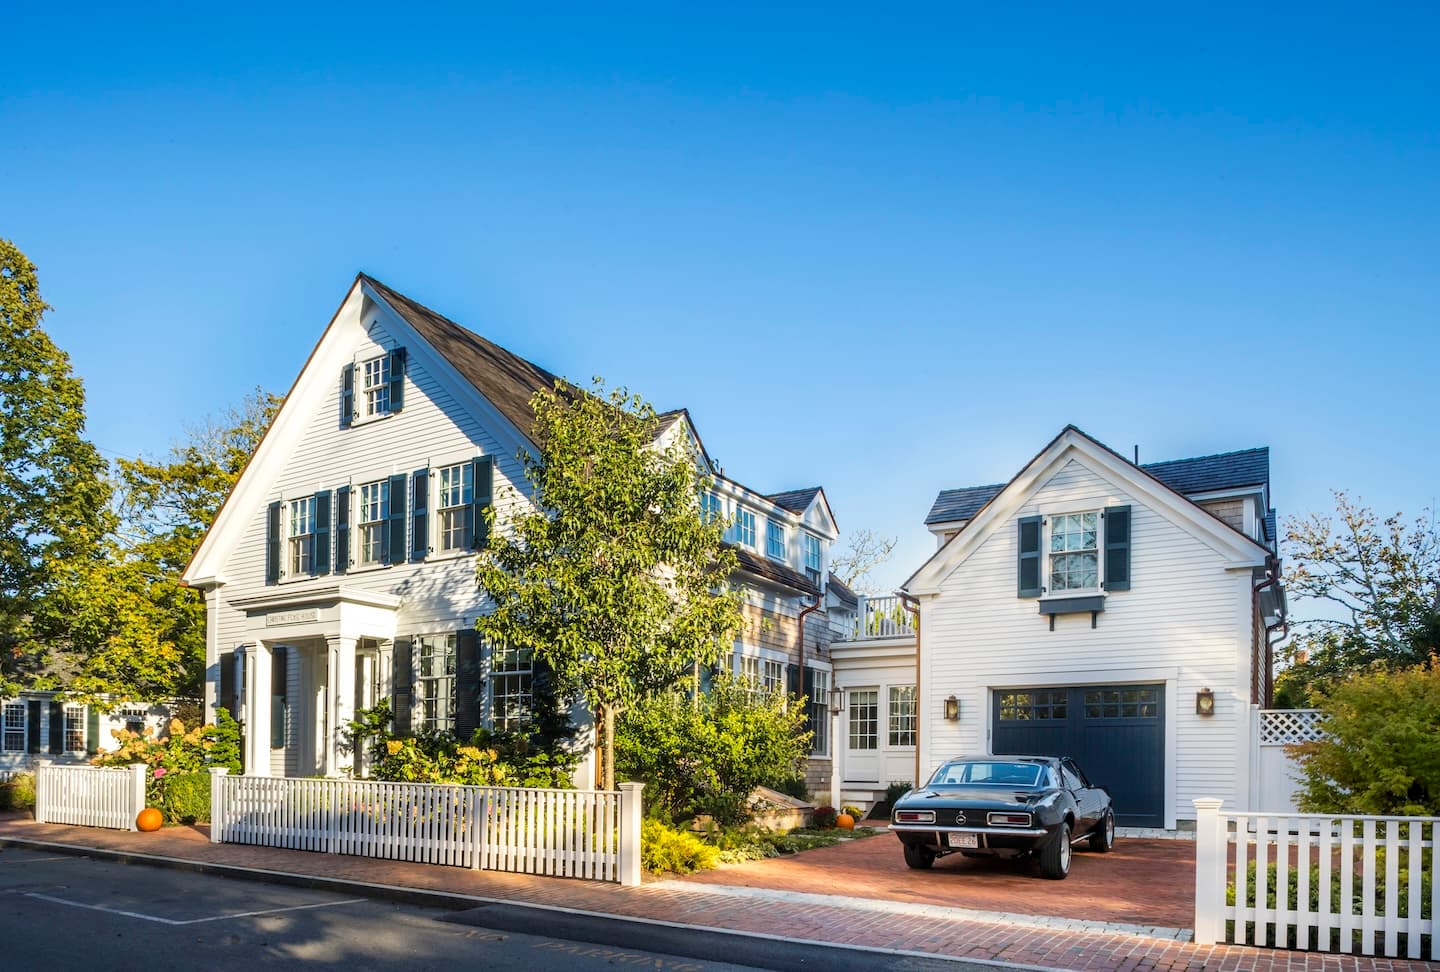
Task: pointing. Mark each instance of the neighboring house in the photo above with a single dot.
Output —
(341, 568)
(1115, 612)
(41, 725)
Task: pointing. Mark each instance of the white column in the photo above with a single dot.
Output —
(630, 817)
(217, 803)
(837, 756)
(340, 704)
(254, 686)
(1210, 854)
(139, 776)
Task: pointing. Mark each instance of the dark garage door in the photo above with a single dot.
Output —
(1115, 732)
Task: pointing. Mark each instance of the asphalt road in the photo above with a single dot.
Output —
(65, 912)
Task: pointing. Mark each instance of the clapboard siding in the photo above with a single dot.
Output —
(1185, 621)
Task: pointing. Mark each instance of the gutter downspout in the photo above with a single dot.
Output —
(819, 597)
(913, 606)
(1262, 689)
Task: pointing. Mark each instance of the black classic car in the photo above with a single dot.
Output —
(1007, 806)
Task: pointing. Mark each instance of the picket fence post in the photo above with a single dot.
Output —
(43, 783)
(138, 774)
(217, 803)
(1210, 841)
(630, 833)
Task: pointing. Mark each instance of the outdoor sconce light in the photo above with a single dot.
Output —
(952, 709)
(837, 700)
(1205, 702)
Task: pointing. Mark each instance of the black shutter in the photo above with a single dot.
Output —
(395, 553)
(469, 684)
(32, 727)
(57, 727)
(321, 558)
(226, 694)
(342, 529)
(92, 730)
(484, 475)
(1029, 561)
(272, 544)
(1117, 548)
(279, 690)
(809, 686)
(792, 679)
(397, 379)
(404, 667)
(347, 396)
(420, 525)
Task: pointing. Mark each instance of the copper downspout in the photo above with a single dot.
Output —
(1262, 685)
(913, 606)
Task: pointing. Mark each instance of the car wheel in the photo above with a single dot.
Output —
(1055, 856)
(1102, 838)
(919, 858)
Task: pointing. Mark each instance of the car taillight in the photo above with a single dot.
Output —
(1009, 819)
(914, 816)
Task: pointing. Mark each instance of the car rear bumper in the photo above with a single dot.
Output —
(1030, 832)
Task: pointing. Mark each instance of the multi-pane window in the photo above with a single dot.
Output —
(302, 535)
(1074, 557)
(865, 719)
(435, 681)
(12, 736)
(375, 385)
(1125, 703)
(745, 527)
(774, 540)
(710, 507)
(817, 710)
(74, 728)
(373, 508)
(764, 674)
(1038, 704)
(457, 515)
(902, 715)
(812, 558)
(512, 672)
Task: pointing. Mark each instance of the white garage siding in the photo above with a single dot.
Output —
(1185, 622)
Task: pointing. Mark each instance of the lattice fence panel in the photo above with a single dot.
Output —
(1289, 726)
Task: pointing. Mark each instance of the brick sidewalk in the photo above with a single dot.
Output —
(787, 914)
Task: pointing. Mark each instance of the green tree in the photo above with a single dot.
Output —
(613, 579)
(1375, 588)
(1381, 750)
(53, 494)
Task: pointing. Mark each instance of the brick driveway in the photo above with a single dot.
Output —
(1140, 882)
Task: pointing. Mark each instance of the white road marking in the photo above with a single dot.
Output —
(37, 860)
(189, 921)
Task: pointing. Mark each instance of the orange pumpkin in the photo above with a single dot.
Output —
(149, 819)
(845, 822)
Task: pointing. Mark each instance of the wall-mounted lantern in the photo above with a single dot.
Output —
(1205, 702)
(952, 709)
(837, 701)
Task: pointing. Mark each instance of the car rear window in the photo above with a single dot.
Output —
(996, 772)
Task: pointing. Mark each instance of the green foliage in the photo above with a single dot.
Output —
(1376, 587)
(180, 751)
(18, 793)
(1381, 750)
(895, 791)
(614, 580)
(706, 754)
(53, 494)
(440, 759)
(855, 812)
(794, 786)
(185, 798)
(664, 849)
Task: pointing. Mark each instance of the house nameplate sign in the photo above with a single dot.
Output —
(292, 617)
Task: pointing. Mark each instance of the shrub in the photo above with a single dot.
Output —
(707, 754)
(439, 759)
(18, 793)
(181, 751)
(895, 791)
(186, 798)
(1381, 750)
(795, 787)
(824, 818)
(665, 849)
(855, 812)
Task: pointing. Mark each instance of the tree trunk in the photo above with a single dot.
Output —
(609, 769)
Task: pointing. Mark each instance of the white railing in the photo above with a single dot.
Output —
(1315, 882)
(90, 796)
(568, 833)
(881, 617)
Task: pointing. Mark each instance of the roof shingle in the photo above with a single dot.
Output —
(795, 500)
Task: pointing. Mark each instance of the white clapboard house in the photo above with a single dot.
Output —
(341, 568)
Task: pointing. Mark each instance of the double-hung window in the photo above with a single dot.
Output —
(745, 528)
(817, 708)
(457, 494)
(302, 536)
(12, 736)
(774, 540)
(435, 681)
(375, 386)
(74, 728)
(710, 506)
(812, 558)
(762, 674)
(902, 715)
(371, 514)
(1074, 552)
(512, 672)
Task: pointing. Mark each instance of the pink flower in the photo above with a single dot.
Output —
(160, 772)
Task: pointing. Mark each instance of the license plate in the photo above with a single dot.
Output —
(963, 840)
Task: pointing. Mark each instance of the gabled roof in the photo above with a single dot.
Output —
(842, 591)
(1203, 474)
(795, 500)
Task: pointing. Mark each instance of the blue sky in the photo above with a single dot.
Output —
(885, 251)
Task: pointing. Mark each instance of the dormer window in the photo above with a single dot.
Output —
(745, 528)
(774, 540)
(710, 507)
(812, 558)
(1074, 552)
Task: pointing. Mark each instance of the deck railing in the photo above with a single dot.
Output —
(881, 617)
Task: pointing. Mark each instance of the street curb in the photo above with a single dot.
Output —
(454, 901)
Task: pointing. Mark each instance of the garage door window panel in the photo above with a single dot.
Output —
(1122, 703)
(1037, 705)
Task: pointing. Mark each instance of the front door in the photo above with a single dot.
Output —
(862, 736)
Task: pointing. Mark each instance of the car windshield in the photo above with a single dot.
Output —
(994, 772)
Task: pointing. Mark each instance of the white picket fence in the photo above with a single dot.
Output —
(1339, 883)
(569, 833)
(89, 796)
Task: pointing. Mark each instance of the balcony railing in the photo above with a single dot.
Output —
(881, 617)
